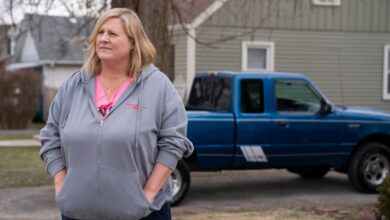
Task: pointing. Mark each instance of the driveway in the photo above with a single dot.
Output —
(269, 189)
(223, 191)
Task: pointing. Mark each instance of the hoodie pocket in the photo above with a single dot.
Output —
(78, 196)
(122, 196)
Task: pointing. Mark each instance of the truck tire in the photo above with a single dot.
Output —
(310, 172)
(369, 166)
(181, 179)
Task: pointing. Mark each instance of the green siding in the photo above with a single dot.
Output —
(339, 48)
(347, 66)
(352, 15)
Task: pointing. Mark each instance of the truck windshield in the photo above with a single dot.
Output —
(210, 94)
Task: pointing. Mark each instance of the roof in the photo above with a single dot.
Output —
(55, 37)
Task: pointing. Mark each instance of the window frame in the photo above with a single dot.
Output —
(270, 51)
(327, 2)
(386, 72)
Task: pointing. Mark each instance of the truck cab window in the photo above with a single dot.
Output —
(252, 99)
(210, 94)
(296, 96)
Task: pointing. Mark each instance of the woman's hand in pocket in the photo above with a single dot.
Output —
(59, 181)
(156, 180)
(150, 195)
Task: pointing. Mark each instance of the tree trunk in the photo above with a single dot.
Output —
(154, 17)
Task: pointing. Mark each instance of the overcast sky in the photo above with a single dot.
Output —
(51, 7)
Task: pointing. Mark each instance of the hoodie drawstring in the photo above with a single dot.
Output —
(138, 113)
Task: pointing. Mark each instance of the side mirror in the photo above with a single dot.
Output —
(326, 108)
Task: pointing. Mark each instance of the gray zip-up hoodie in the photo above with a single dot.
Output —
(108, 162)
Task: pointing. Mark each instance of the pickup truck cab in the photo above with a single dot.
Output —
(280, 120)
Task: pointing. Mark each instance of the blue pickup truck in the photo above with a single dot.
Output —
(280, 120)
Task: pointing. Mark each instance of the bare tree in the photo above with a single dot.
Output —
(157, 15)
(154, 16)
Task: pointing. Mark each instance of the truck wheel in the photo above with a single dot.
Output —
(310, 172)
(180, 182)
(369, 167)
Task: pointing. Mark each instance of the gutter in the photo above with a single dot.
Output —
(52, 63)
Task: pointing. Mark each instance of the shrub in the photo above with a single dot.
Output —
(383, 204)
(19, 98)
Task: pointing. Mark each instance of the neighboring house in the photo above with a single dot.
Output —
(51, 45)
(342, 45)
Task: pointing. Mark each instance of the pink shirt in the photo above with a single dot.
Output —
(102, 103)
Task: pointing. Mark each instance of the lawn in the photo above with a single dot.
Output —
(22, 167)
(260, 215)
(32, 130)
(36, 125)
(15, 136)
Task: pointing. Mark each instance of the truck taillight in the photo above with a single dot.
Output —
(212, 73)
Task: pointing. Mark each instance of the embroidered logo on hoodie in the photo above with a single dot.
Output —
(136, 107)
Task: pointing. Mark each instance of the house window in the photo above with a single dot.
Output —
(386, 73)
(257, 55)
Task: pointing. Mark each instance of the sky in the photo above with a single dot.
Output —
(50, 7)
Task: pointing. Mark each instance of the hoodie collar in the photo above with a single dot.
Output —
(88, 81)
(146, 71)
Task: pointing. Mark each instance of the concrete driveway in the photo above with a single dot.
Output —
(223, 191)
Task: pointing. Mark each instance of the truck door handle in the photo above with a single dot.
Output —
(282, 123)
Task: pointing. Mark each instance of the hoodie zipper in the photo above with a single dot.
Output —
(99, 169)
(98, 156)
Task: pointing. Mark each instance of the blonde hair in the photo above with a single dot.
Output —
(143, 53)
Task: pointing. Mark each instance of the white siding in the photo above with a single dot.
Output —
(55, 75)
(29, 52)
(180, 46)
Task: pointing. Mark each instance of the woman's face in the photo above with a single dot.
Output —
(112, 42)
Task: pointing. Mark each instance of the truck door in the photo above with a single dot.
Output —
(211, 122)
(300, 134)
(253, 125)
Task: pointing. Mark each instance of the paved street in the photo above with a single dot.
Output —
(224, 191)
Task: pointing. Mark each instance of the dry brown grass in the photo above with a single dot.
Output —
(255, 215)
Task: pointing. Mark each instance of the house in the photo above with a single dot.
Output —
(52, 46)
(342, 45)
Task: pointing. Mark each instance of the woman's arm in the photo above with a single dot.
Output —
(50, 151)
(172, 142)
(156, 180)
(58, 180)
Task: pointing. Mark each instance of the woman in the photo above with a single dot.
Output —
(116, 128)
